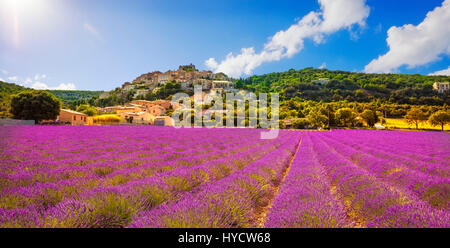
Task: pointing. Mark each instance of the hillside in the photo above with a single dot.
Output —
(330, 86)
(68, 97)
(6, 90)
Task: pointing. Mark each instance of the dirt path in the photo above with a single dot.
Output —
(263, 209)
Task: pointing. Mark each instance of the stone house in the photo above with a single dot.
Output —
(131, 109)
(143, 118)
(156, 110)
(441, 87)
(164, 121)
(72, 117)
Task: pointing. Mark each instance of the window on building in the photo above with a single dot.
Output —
(74, 117)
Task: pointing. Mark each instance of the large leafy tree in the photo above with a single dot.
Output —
(440, 118)
(346, 117)
(415, 116)
(370, 117)
(35, 105)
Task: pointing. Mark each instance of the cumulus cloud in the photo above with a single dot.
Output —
(37, 83)
(40, 77)
(416, 45)
(445, 72)
(39, 86)
(333, 16)
(68, 86)
(13, 78)
(43, 86)
(323, 65)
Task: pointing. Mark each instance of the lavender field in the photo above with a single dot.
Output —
(145, 176)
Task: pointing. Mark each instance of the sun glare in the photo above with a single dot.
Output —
(21, 7)
(18, 16)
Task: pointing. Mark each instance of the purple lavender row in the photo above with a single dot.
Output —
(426, 151)
(23, 171)
(41, 170)
(416, 184)
(305, 198)
(230, 202)
(97, 147)
(162, 185)
(371, 203)
(135, 196)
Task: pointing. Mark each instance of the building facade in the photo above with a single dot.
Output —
(441, 87)
(72, 117)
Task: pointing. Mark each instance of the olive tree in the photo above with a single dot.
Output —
(440, 118)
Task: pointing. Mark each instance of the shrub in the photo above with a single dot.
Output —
(102, 119)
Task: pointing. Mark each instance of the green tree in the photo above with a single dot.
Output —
(440, 118)
(317, 119)
(86, 109)
(415, 116)
(35, 105)
(370, 117)
(301, 123)
(346, 117)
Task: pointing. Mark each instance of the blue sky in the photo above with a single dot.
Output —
(99, 44)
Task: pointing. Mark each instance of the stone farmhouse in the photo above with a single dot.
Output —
(141, 112)
(138, 118)
(72, 117)
(441, 87)
(164, 121)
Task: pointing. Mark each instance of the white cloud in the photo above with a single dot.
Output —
(28, 80)
(416, 45)
(43, 86)
(68, 86)
(323, 65)
(39, 86)
(333, 16)
(38, 77)
(37, 83)
(445, 72)
(13, 78)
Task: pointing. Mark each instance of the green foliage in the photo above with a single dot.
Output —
(317, 119)
(415, 116)
(394, 88)
(74, 95)
(301, 123)
(440, 118)
(370, 117)
(35, 105)
(105, 119)
(6, 91)
(346, 117)
(166, 91)
(86, 109)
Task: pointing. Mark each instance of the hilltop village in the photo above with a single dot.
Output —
(186, 75)
(138, 110)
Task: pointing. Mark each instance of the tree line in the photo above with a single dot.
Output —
(348, 86)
